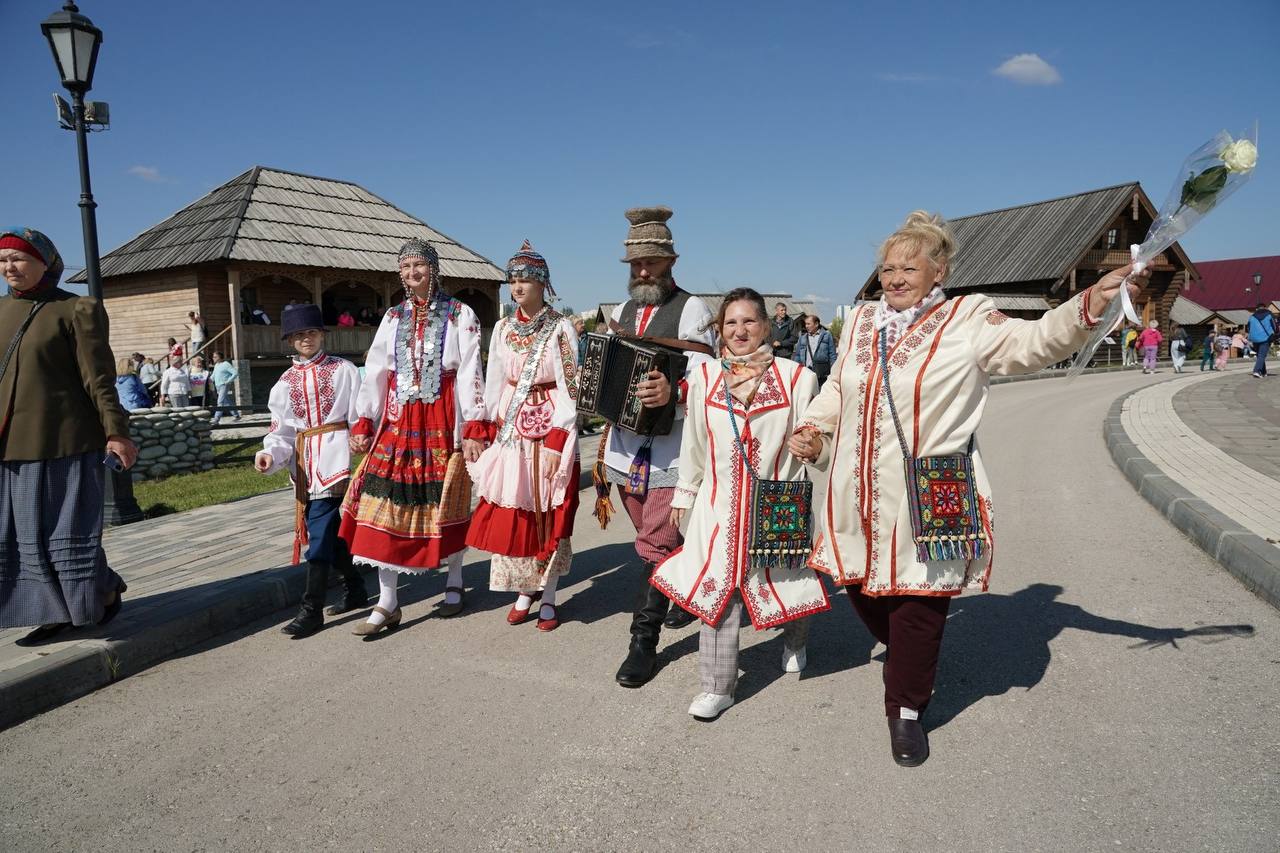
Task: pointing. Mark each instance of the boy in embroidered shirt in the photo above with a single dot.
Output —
(311, 408)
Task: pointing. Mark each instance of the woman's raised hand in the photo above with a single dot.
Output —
(1108, 288)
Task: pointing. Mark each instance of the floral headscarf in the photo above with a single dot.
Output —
(45, 250)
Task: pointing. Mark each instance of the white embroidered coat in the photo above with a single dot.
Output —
(311, 394)
(461, 354)
(940, 371)
(702, 575)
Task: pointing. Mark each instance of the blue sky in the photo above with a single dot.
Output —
(788, 137)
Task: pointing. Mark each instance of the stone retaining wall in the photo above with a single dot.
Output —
(171, 441)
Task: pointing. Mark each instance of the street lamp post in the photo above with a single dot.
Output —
(74, 41)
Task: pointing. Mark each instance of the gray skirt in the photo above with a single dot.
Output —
(52, 566)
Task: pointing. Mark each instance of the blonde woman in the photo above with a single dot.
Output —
(912, 383)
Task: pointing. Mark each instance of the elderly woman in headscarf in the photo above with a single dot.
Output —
(908, 515)
(61, 412)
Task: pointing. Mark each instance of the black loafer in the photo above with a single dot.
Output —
(447, 610)
(677, 617)
(639, 666)
(42, 634)
(908, 742)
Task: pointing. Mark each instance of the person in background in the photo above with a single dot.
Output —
(63, 417)
(1221, 350)
(175, 387)
(816, 349)
(133, 394)
(149, 372)
(346, 319)
(782, 334)
(1262, 331)
(580, 329)
(367, 317)
(1149, 344)
(258, 316)
(195, 330)
(1178, 348)
(223, 378)
(1237, 343)
(1206, 357)
(198, 380)
(1129, 340)
(175, 350)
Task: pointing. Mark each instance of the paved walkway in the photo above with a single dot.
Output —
(1202, 449)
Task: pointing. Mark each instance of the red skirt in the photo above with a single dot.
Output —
(515, 533)
(408, 505)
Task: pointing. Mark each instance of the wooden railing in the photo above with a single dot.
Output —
(1103, 258)
(259, 341)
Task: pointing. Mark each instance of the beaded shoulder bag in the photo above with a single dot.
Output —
(780, 534)
(945, 523)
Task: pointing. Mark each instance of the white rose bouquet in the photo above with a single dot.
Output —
(1213, 171)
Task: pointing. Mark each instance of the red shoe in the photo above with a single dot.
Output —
(516, 616)
(552, 623)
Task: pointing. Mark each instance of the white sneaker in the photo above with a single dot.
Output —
(793, 661)
(707, 706)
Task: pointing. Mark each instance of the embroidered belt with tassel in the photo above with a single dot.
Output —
(301, 489)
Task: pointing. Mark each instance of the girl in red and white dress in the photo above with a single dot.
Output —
(527, 478)
(409, 504)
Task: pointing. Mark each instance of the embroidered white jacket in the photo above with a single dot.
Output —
(311, 394)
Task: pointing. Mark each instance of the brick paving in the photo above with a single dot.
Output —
(1218, 436)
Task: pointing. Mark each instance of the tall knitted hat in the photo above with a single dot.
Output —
(529, 265)
(649, 236)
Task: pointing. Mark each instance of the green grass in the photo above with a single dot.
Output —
(188, 491)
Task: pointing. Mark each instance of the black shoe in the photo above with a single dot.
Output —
(908, 743)
(309, 618)
(639, 666)
(42, 634)
(677, 617)
(113, 609)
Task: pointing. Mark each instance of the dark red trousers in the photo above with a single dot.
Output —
(911, 627)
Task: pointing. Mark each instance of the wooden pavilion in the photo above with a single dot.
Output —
(1033, 257)
(262, 240)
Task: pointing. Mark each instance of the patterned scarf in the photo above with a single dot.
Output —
(892, 323)
(742, 373)
(45, 250)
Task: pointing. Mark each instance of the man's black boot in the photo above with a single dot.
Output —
(309, 618)
(646, 627)
(355, 595)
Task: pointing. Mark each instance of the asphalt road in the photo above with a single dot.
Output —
(1073, 711)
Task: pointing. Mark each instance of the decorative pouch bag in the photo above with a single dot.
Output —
(780, 532)
(945, 522)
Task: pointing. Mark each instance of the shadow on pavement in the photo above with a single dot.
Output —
(994, 643)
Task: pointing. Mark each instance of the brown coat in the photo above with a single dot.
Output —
(58, 395)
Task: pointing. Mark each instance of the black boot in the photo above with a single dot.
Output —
(309, 618)
(646, 626)
(355, 595)
(677, 617)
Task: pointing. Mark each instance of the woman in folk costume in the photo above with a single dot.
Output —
(908, 394)
(740, 414)
(527, 478)
(410, 501)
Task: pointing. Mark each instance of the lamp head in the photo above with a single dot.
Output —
(74, 41)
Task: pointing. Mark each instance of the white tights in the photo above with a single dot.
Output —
(389, 582)
(548, 599)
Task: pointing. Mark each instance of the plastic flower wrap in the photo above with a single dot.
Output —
(1209, 174)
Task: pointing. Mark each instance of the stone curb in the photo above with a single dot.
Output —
(1250, 558)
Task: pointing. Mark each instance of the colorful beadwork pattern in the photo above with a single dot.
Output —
(944, 504)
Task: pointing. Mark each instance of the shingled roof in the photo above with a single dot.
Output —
(274, 216)
(1035, 242)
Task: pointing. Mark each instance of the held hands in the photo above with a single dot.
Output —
(262, 461)
(1108, 288)
(358, 443)
(677, 516)
(655, 391)
(123, 448)
(471, 449)
(805, 445)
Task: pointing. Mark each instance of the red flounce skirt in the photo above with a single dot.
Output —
(516, 532)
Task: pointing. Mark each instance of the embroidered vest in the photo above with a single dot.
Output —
(665, 322)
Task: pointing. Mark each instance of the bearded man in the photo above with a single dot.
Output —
(646, 468)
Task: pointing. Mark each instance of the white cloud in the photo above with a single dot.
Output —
(149, 174)
(815, 298)
(1028, 69)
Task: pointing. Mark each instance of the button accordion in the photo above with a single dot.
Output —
(612, 366)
